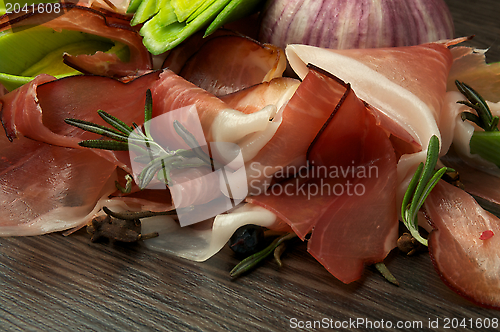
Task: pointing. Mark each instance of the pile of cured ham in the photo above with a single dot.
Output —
(372, 107)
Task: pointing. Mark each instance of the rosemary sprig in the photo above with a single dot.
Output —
(384, 271)
(421, 184)
(483, 118)
(159, 160)
(252, 261)
(483, 143)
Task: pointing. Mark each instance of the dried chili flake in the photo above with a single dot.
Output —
(486, 235)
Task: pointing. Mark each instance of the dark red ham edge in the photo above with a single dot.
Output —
(226, 64)
(38, 111)
(465, 259)
(347, 230)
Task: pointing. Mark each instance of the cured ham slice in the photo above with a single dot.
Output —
(17, 113)
(96, 23)
(225, 61)
(219, 121)
(349, 228)
(38, 111)
(388, 79)
(53, 187)
(177, 57)
(475, 182)
(230, 63)
(464, 244)
(48, 188)
(301, 119)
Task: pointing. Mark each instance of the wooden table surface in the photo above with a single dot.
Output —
(57, 283)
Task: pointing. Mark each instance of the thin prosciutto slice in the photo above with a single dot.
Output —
(348, 229)
(38, 110)
(230, 63)
(177, 57)
(301, 119)
(46, 188)
(464, 244)
(409, 95)
(93, 22)
(220, 122)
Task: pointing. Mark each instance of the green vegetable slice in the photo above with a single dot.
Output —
(483, 143)
(159, 39)
(167, 23)
(234, 11)
(200, 10)
(133, 6)
(52, 63)
(185, 8)
(487, 145)
(37, 49)
(145, 10)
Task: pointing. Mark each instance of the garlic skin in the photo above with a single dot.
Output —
(341, 24)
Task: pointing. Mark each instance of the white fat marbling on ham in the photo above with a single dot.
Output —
(391, 99)
(201, 241)
(250, 131)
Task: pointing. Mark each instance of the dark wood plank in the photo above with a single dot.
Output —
(57, 283)
(479, 18)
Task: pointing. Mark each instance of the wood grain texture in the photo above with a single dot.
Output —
(57, 283)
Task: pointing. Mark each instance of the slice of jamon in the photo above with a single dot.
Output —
(46, 188)
(38, 110)
(83, 19)
(230, 63)
(177, 57)
(219, 121)
(407, 84)
(464, 245)
(347, 196)
(19, 110)
(472, 180)
(301, 119)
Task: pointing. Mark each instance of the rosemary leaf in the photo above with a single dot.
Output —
(252, 261)
(115, 122)
(104, 145)
(487, 121)
(191, 142)
(149, 172)
(472, 118)
(148, 113)
(384, 271)
(417, 192)
(97, 129)
(411, 188)
(430, 163)
(431, 184)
